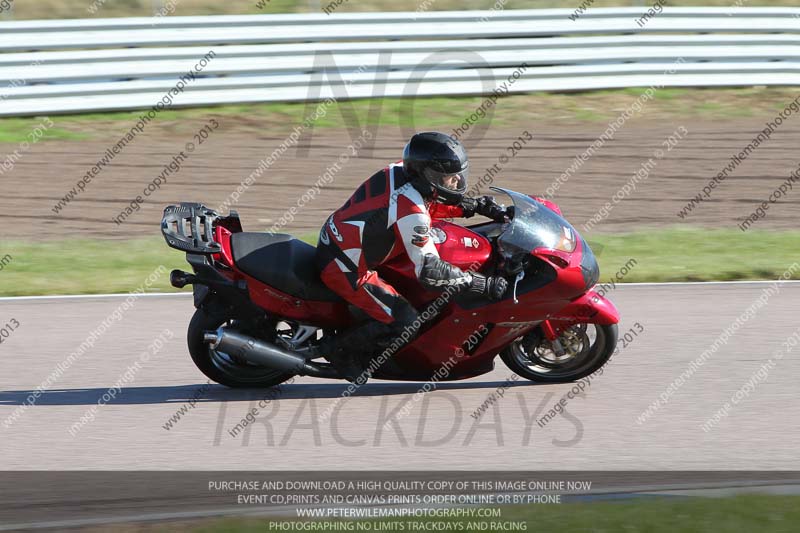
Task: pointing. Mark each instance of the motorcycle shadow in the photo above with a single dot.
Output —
(211, 392)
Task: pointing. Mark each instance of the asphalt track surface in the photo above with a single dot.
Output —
(599, 430)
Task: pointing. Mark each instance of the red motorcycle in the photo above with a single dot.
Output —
(262, 309)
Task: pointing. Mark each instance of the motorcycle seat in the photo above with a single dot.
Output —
(281, 261)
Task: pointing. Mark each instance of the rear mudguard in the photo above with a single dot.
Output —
(590, 307)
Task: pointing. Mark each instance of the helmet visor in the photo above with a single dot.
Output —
(454, 182)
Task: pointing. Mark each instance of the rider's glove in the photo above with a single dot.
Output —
(469, 205)
(490, 209)
(493, 287)
(484, 206)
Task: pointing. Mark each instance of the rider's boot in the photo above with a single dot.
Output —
(348, 350)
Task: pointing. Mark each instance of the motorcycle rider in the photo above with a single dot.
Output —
(389, 215)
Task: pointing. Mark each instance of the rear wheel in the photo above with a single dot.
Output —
(586, 347)
(228, 370)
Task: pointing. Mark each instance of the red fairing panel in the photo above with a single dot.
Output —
(223, 237)
(591, 308)
(552, 205)
(321, 314)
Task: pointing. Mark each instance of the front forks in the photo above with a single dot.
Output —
(551, 335)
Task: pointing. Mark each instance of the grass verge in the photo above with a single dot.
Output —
(677, 254)
(17, 130)
(444, 113)
(697, 254)
(762, 513)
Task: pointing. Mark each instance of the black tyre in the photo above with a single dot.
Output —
(587, 348)
(220, 367)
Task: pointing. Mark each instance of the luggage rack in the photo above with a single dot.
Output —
(189, 227)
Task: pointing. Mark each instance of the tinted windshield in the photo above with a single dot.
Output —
(534, 226)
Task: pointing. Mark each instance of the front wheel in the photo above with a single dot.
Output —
(225, 369)
(586, 347)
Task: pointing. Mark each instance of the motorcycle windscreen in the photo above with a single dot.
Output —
(535, 226)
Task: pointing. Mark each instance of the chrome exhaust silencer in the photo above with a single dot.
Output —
(263, 353)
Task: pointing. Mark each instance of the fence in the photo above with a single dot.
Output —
(69, 66)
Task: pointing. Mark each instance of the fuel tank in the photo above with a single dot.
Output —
(460, 246)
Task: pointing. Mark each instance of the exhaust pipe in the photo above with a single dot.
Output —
(266, 354)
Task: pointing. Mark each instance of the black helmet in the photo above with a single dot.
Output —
(429, 158)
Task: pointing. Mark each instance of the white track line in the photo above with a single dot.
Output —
(92, 296)
(167, 294)
(742, 282)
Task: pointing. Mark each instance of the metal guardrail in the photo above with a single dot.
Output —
(69, 66)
